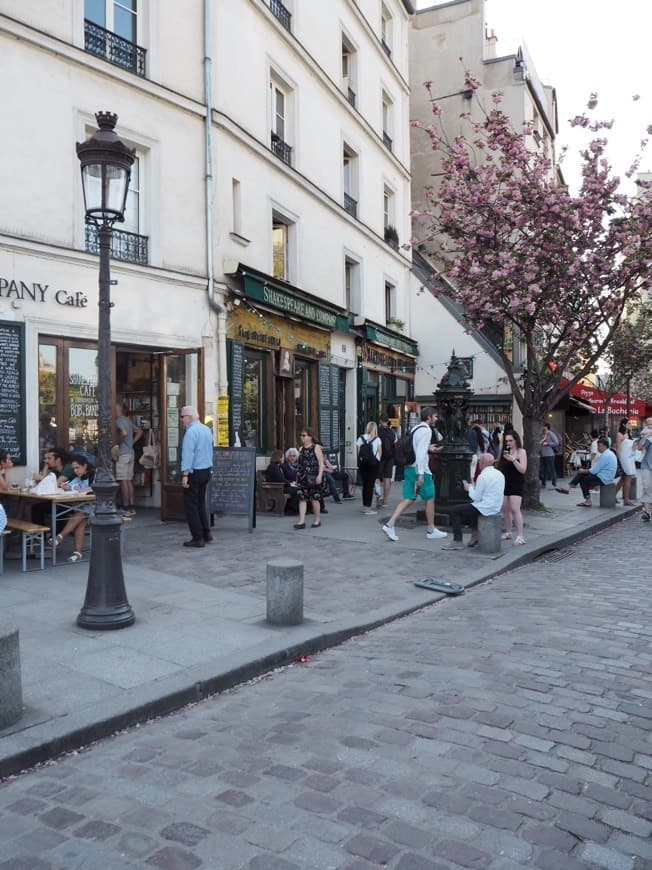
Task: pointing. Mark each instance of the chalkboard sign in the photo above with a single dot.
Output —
(329, 413)
(232, 484)
(12, 391)
(236, 387)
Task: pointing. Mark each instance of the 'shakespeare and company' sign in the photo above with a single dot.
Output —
(33, 291)
(283, 300)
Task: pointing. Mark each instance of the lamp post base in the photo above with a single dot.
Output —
(106, 606)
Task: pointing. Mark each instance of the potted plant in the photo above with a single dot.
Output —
(391, 236)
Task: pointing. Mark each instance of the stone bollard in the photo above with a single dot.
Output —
(11, 689)
(285, 592)
(608, 496)
(489, 531)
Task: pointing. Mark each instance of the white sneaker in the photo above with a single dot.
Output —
(369, 513)
(435, 534)
(378, 490)
(390, 532)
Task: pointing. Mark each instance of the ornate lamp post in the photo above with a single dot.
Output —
(105, 167)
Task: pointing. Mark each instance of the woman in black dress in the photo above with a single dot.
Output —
(513, 464)
(310, 478)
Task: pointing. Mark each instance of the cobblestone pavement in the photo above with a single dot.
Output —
(507, 728)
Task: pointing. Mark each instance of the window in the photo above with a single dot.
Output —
(388, 208)
(111, 32)
(236, 203)
(387, 120)
(350, 178)
(390, 303)
(252, 432)
(352, 291)
(282, 233)
(279, 107)
(349, 70)
(386, 30)
(282, 13)
(127, 242)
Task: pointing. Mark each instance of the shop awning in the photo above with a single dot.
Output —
(595, 400)
(578, 405)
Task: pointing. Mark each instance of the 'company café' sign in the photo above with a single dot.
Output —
(33, 291)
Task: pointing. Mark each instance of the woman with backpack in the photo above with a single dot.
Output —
(370, 452)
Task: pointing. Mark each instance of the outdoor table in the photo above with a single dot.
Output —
(62, 504)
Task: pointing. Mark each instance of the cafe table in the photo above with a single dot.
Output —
(62, 504)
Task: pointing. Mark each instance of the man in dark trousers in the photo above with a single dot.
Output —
(196, 468)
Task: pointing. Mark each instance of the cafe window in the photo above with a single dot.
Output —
(68, 395)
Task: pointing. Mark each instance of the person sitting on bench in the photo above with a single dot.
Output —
(486, 496)
(601, 473)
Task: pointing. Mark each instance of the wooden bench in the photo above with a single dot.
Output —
(270, 497)
(30, 533)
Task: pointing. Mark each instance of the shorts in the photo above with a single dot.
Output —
(124, 467)
(646, 486)
(427, 490)
(386, 468)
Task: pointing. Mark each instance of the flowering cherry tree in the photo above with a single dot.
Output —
(545, 272)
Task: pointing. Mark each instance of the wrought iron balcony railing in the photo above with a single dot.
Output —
(351, 205)
(282, 149)
(387, 140)
(114, 48)
(284, 15)
(351, 96)
(129, 247)
(386, 48)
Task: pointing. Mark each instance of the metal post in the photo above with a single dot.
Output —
(105, 606)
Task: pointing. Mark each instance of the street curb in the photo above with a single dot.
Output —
(57, 737)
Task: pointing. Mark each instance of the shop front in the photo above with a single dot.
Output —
(282, 374)
(50, 328)
(386, 368)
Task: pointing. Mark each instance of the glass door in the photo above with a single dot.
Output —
(181, 384)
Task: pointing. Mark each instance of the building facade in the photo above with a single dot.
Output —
(255, 273)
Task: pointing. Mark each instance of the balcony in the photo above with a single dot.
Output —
(129, 247)
(351, 205)
(283, 14)
(282, 149)
(387, 140)
(350, 95)
(115, 49)
(386, 48)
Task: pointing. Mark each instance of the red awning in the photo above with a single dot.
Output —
(617, 403)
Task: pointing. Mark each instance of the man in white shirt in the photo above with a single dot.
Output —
(486, 498)
(418, 478)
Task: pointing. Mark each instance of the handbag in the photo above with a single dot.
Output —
(151, 456)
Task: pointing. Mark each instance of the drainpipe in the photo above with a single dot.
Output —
(219, 310)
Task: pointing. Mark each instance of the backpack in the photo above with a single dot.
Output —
(404, 448)
(387, 439)
(366, 455)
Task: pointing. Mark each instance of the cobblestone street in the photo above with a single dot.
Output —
(506, 728)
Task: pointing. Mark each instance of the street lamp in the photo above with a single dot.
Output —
(105, 168)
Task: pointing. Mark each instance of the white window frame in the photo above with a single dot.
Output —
(386, 27)
(350, 78)
(389, 206)
(280, 217)
(352, 295)
(389, 300)
(109, 17)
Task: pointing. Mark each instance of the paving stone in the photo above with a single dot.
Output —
(316, 802)
(135, 844)
(461, 853)
(27, 806)
(495, 817)
(412, 861)
(594, 854)
(532, 809)
(626, 822)
(371, 848)
(234, 797)
(185, 833)
(447, 801)
(545, 835)
(632, 846)
(97, 829)
(361, 817)
(583, 828)
(407, 835)
(173, 858)
(60, 818)
(284, 771)
(548, 859)
(26, 862)
(564, 783)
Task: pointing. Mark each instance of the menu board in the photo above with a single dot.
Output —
(12, 391)
(236, 387)
(329, 412)
(232, 484)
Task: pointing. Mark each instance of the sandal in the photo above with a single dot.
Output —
(506, 536)
(299, 525)
(315, 525)
(76, 557)
(584, 504)
(54, 542)
(518, 542)
(562, 490)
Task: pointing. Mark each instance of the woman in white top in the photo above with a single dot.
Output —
(370, 451)
(625, 450)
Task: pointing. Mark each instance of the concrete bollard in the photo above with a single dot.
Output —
(489, 532)
(608, 496)
(11, 688)
(285, 592)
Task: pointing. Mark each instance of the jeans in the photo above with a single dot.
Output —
(194, 503)
(547, 470)
(331, 477)
(462, 512)
(586, 481)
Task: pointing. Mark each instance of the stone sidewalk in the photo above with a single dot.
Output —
(200, 614)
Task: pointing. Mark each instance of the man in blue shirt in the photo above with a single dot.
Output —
(196, 468)
(601, 473)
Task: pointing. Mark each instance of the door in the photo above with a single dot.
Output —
(181, 384)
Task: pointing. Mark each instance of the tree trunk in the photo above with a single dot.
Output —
(532, 429)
